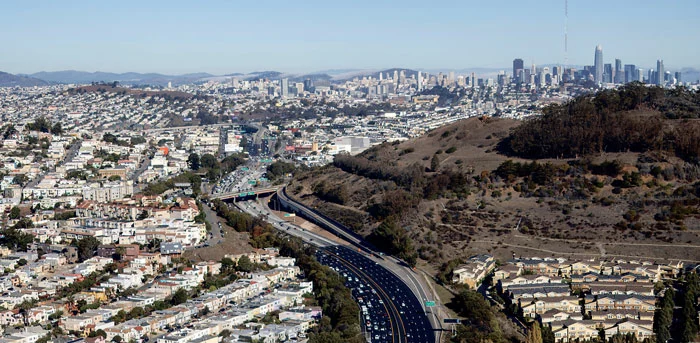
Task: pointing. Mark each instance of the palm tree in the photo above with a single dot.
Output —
(23, 308)
(70, 302)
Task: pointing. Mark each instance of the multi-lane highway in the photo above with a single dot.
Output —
(394, 265)
(390, 310)
(389, 293)
(397, 315)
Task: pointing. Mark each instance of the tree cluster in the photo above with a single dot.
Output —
(663, 316)
(390, 237)
(632, 118)
(64, 215)
(8, 130)
(412, 178)
(206, 118)
(16, 239)
(193, 161)
(244, 264)
(160, 187)
(676, 316)
(480, 324)
(538, 173)
(279, 169)
(394, 204)
(89, 281)
(261, 233)
(87, 247)
(336, 194)
(360, 165)
(110, 138)
(42, 124)
(15, 212)
(239, 221)
(688, 316)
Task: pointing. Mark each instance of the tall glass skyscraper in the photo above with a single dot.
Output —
(631, 73)
(598, 66)
(619, 74)
(607, 73)
(517, 65)
(660, 72)
(284, 87)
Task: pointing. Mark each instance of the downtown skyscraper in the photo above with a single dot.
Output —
(284, 87)
(598, 66)
(518, 66)
(419, 81)
(619, 73)
(660, 73)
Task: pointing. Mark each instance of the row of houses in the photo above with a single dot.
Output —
(569, 269)
(184, 208)
(244, 293)
(579, 299)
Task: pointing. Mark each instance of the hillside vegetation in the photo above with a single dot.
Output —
(615, 177)
(633, 118)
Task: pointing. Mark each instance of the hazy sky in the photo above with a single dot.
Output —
(307, 35)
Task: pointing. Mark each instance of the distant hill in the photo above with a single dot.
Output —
(334, 72)
(82, 77)
(256, 75)
(312, 77)
(690, 75)
(10, 80)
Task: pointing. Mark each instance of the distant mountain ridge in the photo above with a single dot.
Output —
(82, 77)
(10, 80)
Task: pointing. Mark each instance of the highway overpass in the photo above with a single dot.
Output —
(254, 193)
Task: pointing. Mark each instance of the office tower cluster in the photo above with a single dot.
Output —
(536, 76)
(599, 73)
(602, 72)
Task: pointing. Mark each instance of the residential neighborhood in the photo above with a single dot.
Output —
(577, 300)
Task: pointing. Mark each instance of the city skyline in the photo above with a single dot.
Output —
(177, 38)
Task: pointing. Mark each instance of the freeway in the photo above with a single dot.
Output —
(394, 311)
(395, 315)
(397, 267)
(408, 321)
(379, 323)
(391, 310)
